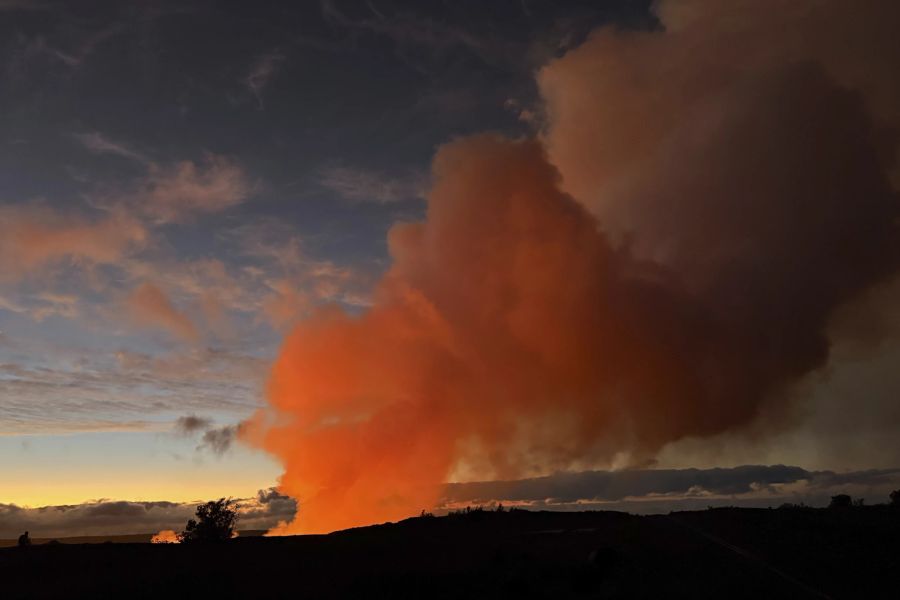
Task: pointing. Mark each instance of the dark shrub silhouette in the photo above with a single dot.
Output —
(841, 501)
(215, 523)
(895, 498)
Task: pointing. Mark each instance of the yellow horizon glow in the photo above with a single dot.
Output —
(30, 496)
(182, 483)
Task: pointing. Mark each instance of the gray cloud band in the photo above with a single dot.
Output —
(102, 517)
(750, 482)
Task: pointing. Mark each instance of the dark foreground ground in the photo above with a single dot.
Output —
(134, 538)
(721, 553)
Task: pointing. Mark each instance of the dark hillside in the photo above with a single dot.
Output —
(733, 553)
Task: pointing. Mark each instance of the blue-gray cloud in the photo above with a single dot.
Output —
(670, 489)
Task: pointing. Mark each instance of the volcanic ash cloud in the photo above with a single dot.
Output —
(665, 269)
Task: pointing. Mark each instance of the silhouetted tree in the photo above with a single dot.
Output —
(841, 501)
(895, 498)
(215, 523)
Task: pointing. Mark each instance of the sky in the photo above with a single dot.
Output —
(360, 249)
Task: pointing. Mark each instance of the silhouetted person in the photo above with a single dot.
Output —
(24, 540)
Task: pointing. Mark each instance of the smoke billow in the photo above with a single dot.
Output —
(165, 536)
(662, 262)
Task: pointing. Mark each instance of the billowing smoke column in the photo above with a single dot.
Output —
(662, 262)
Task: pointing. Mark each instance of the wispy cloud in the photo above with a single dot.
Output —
(71, 50)
(150, 306)
(42, 305)
(172, 194)
(51, 389)
(261, 73)
(191, 424)
(87, 45)
(35, 235)
(98, 143)
(366, 186)
(52, 426)
(219, 440)
(168, 192)
(408, 31)
(294, 281)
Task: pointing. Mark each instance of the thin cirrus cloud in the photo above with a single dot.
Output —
(359, 186)
(68, 390)
(96, 142)
(42, 305)
(291, 281)
(263, 71)
(60, 427)
(33, 236)
(41, 242)
(409, 32)
(148, 305)
(174, 192)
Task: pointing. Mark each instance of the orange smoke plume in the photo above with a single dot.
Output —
(516, 334)
(506, 310)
